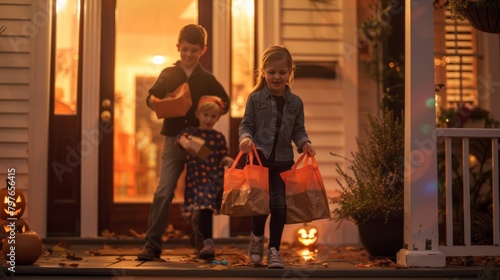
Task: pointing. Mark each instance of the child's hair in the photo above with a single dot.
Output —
(273, 54)
(208, 102)
(193, 34)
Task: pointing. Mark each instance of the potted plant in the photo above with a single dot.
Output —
(371, 186)
(482, 14)
(463, 116)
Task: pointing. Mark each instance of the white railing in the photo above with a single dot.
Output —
(467, 249)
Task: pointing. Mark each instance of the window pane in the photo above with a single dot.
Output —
(66, 60)
(242, 68)
(146, 38)
(456, 60)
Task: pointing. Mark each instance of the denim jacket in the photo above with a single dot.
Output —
(259, 123)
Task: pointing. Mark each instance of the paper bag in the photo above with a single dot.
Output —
(305, 193)
(246, 191)
(198, 148)
(175, 104)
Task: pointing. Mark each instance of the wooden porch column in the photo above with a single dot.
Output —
(90, 109)
(421, 188)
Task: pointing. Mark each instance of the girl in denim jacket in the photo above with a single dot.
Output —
(273, 119)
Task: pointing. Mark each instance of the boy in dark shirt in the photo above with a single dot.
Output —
(192, 44)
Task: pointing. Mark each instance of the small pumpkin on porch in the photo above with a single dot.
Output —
(12, 203)
(24, 248)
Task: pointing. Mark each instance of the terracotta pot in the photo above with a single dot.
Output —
(485, 19)
(380, 239)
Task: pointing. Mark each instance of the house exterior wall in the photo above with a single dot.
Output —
(15, 85)
(22, 23)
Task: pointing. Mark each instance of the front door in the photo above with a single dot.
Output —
(138, 40)
(65, 119)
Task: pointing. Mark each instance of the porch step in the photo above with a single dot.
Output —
(127, 242)
(331, 263)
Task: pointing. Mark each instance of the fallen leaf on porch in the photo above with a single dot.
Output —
(47, 253)
(351, 254)
(61, 246)
(220, 267)
(136, 234)
(379, 263)
(236, 259)
(363, 265)
(93, 252)
(108, 234)
(69, 256)
(294, 261)
(473, 261)
(69, 264)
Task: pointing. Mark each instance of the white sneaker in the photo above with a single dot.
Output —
(256, 248)
(273, 259)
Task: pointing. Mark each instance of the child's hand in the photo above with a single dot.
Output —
(152, 99)
(308, 148)
(184, 142)
(246, 144)
(227, 161)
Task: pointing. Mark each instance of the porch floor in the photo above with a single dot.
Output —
(104, 258)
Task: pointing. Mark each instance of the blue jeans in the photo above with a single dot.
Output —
(171, 166)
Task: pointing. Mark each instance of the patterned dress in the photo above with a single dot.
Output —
(204, 178)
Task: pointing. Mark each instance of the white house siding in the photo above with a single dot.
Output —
(312, 31)
(324, 114)
(15, 86)
(319, 32)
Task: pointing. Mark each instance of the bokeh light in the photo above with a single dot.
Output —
(431, 103)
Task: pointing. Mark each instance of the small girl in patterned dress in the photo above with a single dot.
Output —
(204, 178)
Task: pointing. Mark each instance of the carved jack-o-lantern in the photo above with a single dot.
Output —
(307, 236)
(6, 227)
(25, 251)
(12, 204)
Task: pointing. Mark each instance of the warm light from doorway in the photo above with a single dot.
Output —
(60, 5)
(158, 59)
(243, 48)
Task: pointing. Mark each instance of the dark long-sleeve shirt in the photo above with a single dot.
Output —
(201, 82)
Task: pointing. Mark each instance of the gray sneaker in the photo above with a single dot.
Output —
(208, 251)
(256, 248)
(273, 259)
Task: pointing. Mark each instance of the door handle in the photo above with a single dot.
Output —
(106, 116)
(106, 103)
